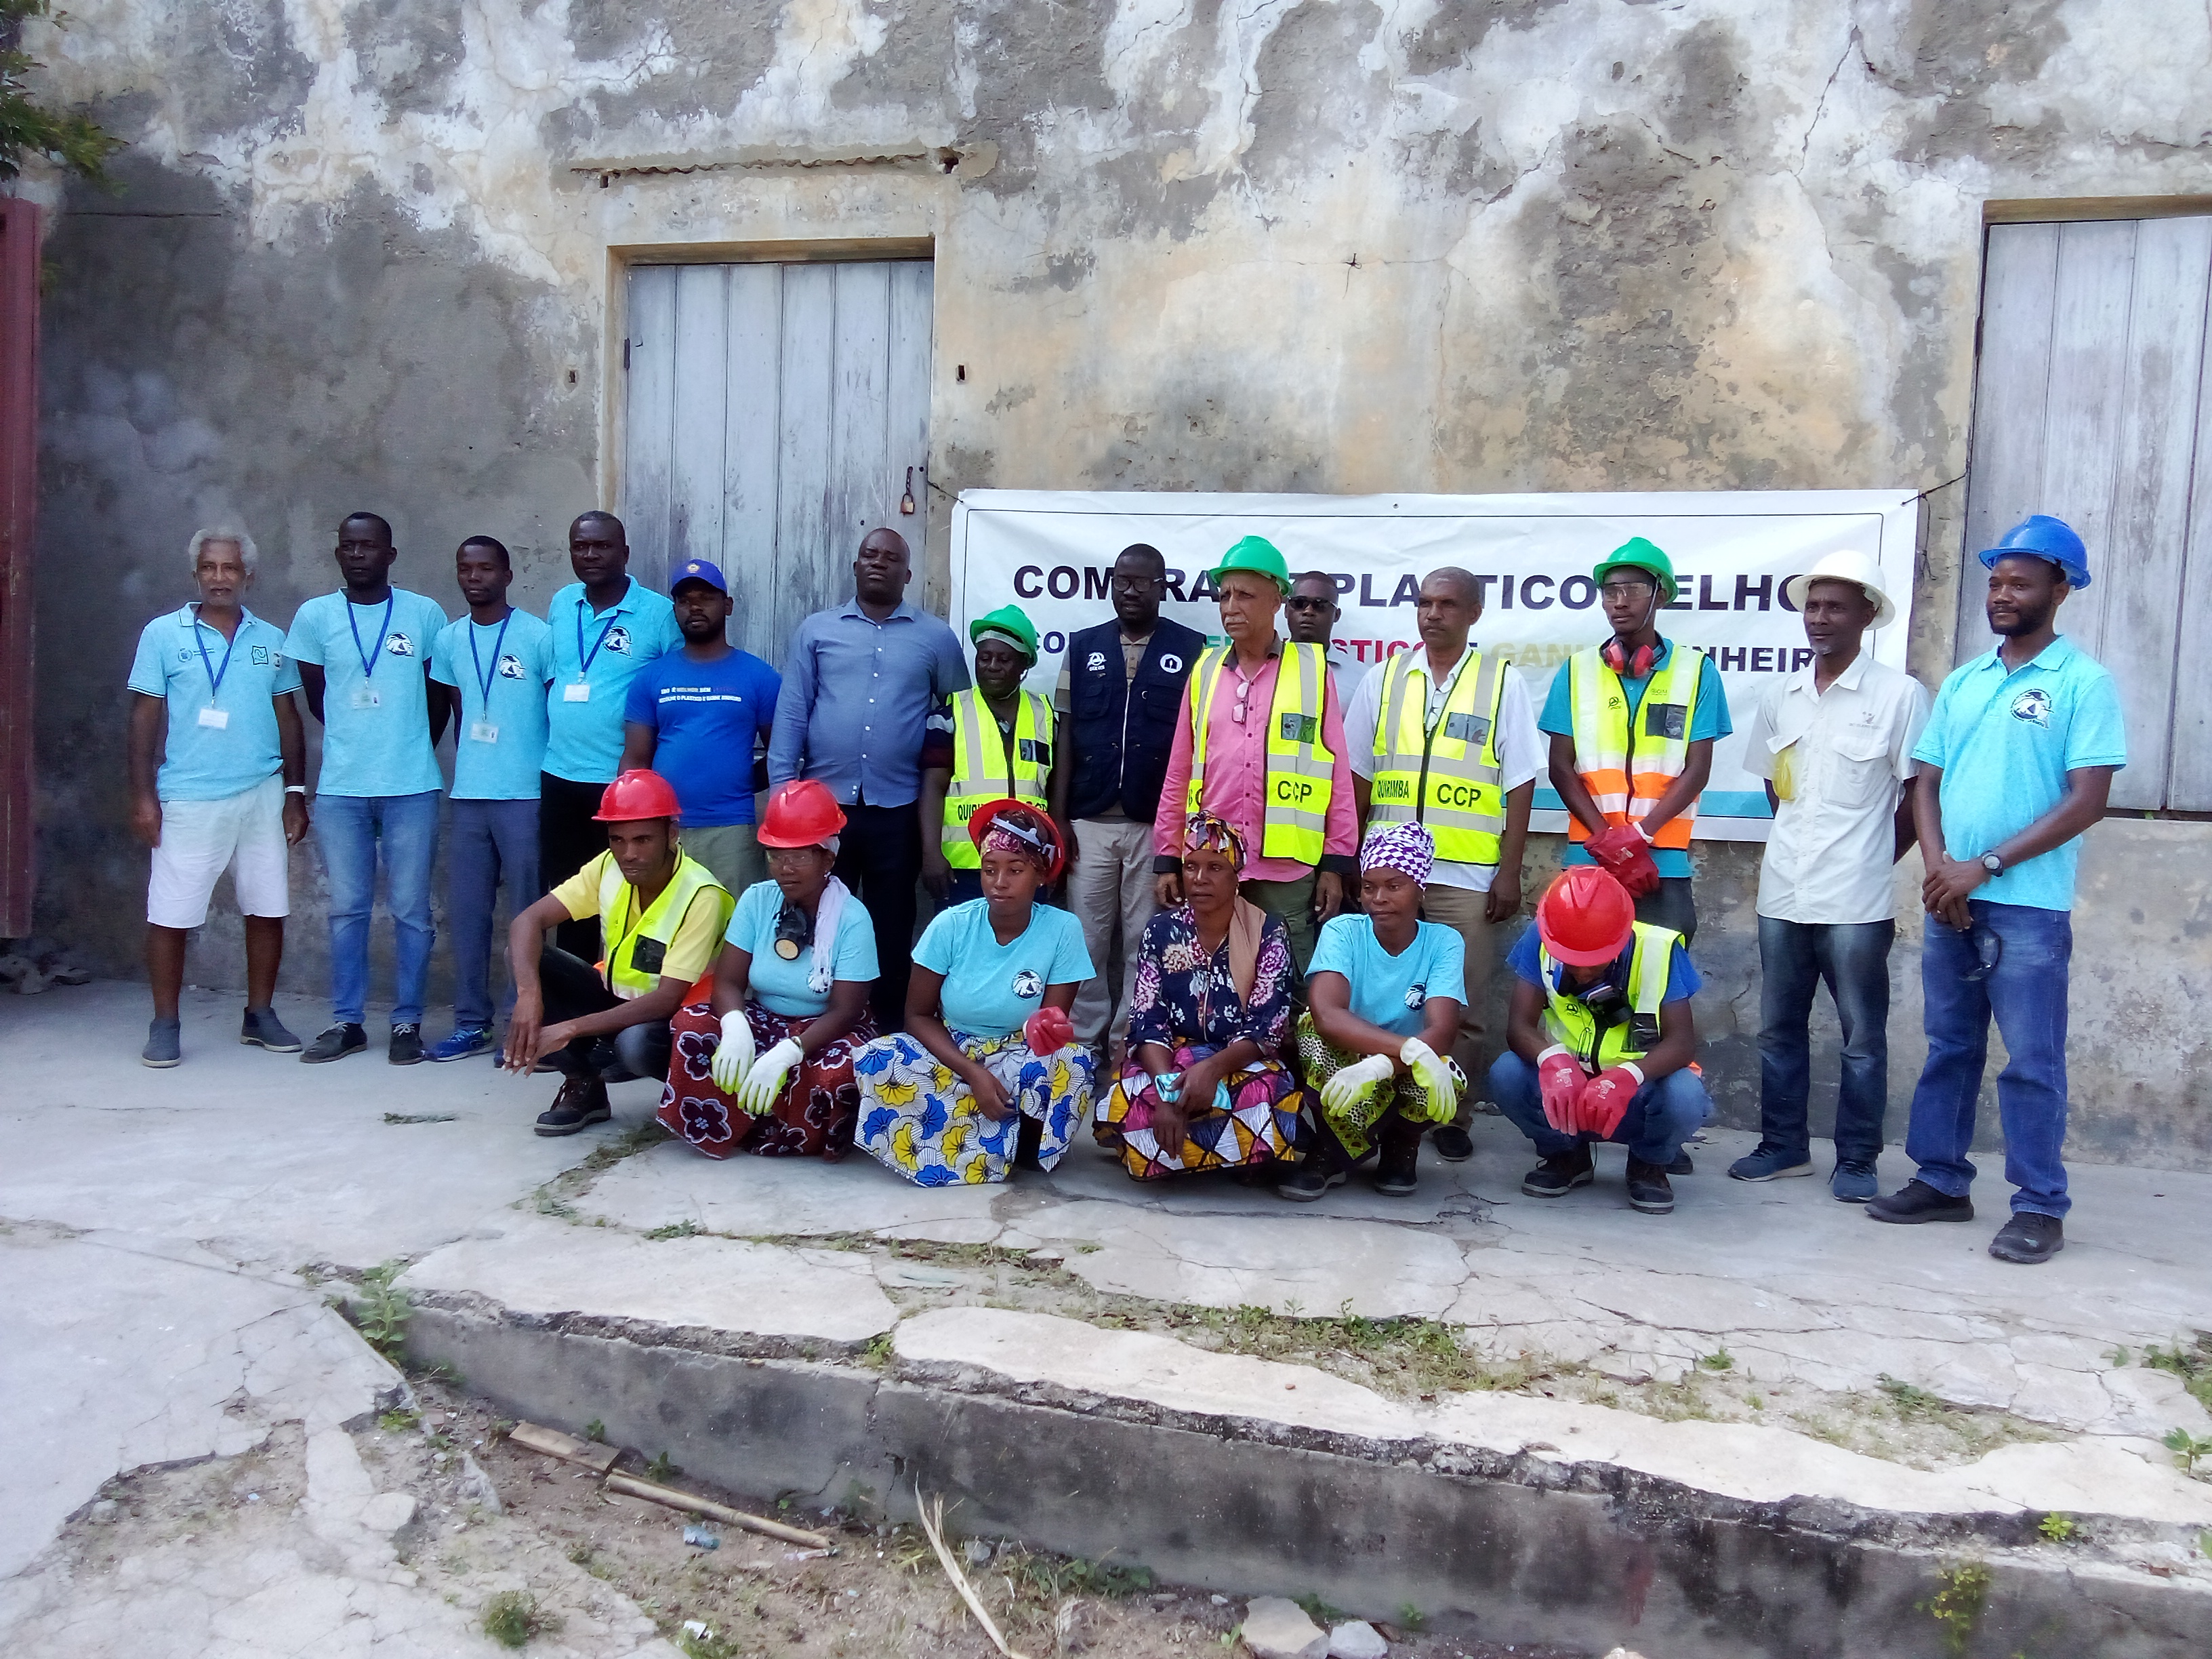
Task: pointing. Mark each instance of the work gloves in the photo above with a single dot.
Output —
(1436, 1077)
(734, 1056)
(1626, 855)
(1355, 1080)
(757, 1094)
(1576, 1103)
(1560, 1079)
(1605, 1097)
(1047, 1031)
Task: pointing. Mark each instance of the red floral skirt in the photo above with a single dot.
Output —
(814, 1116)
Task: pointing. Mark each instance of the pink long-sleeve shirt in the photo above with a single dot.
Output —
(1235, 785)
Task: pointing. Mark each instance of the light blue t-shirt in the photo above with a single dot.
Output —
(781, 987)
(600, 650)
(210, 762)
(990, 988)
(2006, 741)
(1710, 718)
(1392, 992)
(501, 672)
(376, 709)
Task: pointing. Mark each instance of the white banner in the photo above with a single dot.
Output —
(1051, 552)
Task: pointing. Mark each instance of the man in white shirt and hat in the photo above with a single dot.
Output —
(1834, 742)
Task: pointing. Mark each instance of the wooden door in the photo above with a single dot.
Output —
(775, 415)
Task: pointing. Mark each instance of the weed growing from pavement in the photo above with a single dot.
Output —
(663, 1468)
(512, 1618)
(398, 1420)
(676, 1230)
(2058, 1529)
(2188, 1449)
(380, 1311)
(1721, 1361)
(1957, 1607)
(2191, 1361)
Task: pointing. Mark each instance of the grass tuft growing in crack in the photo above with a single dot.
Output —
(2189, 1361)
(513, 1617)
(381, 1310)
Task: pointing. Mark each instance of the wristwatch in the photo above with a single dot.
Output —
(1993, 864)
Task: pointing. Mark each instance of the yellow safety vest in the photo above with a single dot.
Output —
(1301, 773)
(636, 944)
(1445, 776)
(1568, 1017)
(1626, 771)
(979, 774)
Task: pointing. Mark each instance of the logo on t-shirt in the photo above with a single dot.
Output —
(1097, 663)
(261, 656)
(1027, 984)
(2033, 706)
(1416, 995)
(510, 667)
(618, 639)
(399, 645)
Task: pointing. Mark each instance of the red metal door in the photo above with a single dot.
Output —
(19, 501)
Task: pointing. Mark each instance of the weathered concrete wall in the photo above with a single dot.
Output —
(370, 253)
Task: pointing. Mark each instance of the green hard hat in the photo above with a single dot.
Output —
(1638, 553)
(1008, 623)
(1257, 554)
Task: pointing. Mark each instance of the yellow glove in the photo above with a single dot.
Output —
(1436, 1076)
(1354, 1080)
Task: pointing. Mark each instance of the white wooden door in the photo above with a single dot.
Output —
(777, 413)
(2092, 402)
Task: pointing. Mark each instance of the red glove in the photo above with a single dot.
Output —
(1047, 1031)
(1627, 856)
(1605, 1101)
(1559, 1080)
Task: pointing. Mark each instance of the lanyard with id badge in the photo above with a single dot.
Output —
(580, 689)
(213, 717)
(481, 730)
(364, 695)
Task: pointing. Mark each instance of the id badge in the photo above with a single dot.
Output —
(484, 732)
(580, 691)
(364, 697)
(215, 719)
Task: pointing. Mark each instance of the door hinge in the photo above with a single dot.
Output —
(625, 353)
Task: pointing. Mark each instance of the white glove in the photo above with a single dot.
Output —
(1435, 1076)
(757, 1094)
(1354, 1080)
(733, 1058)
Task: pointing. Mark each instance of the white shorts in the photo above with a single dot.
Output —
(201, 839)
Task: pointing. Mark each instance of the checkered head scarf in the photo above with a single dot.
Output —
(1408, 848)
(1202, 832)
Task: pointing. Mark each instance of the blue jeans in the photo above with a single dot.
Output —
(1795, 959)
(348, 828)
(2026, 993)
(492, 841)
(1665, 1113)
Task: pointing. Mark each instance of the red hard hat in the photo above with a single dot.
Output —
(636, 795)
(1586, 917)
(800, 813)
(1031, 825)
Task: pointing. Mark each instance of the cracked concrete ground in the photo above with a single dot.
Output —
(157, 1222)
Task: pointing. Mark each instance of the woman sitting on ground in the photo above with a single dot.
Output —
(1205, 1086)
(1385, 989)
(766, 1065)
(988, 1072)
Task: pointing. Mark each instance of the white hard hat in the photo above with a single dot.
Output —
(1845, 566)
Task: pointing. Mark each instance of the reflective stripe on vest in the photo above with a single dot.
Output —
(648, 935)
(1301, 773)
(1628, 769)
(1448, 778)
(1569, 1022)
(979, 767)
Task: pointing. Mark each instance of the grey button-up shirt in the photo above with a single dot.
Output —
(856, 693)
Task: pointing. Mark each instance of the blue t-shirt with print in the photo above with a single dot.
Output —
(179, 659)
(706, 718)
(990, 988)
(2006, 738)
(781, 987)
(376, 711)
(1709, 719)
(595, 653)
(1392, 992)
(502, 672)
(1682, 980)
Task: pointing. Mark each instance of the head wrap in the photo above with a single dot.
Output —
(1407, 847)
(1020, 833)
(1204, 833)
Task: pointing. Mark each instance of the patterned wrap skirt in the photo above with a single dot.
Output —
(814, 1117)
(1354, 1122)
(920, 1121)
(1266, 1121)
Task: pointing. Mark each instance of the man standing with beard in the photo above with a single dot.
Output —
(2017, 759)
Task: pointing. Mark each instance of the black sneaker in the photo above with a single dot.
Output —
(2028, 1238)
(261, 1029)
(1681, 1166)
(1310, 1180)
(1394, 1170)
(1555, 1177)
(1452, 1143)
(336, 1045)
(406, 1047)
(578, 1106)
(1916, 1201)
(1648, 1190)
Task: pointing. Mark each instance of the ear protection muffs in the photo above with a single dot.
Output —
(1621, 663)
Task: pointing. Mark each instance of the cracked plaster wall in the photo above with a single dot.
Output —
(361, 257)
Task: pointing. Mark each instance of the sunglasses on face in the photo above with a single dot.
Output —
(1307, 602)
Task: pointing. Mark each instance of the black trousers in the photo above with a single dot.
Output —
(1671, 905)
(573, 988)
(568, 840)
(879, 858)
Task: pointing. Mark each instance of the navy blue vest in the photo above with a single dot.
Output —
(1120, 729)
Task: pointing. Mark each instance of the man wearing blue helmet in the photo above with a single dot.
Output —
(2018, 754)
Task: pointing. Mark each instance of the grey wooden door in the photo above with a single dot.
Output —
(2092, 402)
(775, 411)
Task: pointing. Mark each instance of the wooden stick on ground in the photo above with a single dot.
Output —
(935, 1529)
(552, 1442)
(631, 1486)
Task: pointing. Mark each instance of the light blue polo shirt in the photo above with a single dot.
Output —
(380, 748)
(585, 737)
(209, 763)
(990, 988)
(1392, 992)
(501, 672)
(2006, 741)
(781, 986)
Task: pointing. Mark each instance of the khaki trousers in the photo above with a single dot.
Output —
(1110, 884)
(732, 852)
(1466, 913)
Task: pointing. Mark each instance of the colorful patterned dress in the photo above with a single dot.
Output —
(920, 1120)
(1185, 1001)
(1359, 1122)
(814, 1117)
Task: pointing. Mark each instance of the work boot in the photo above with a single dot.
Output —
(1916, 1202)
(1682, 1165)
(263, 1029)
(165, 1043)
(1768, 1164)
(1452, 1143)
(1648, 1189)
(1323, 1167)
(466, 1040)
(582, 1102)
(2029, 1237)
(1394, 1169)
(406, 1047)
(336, 1045)
(1853, 1182)
(1555, 1177)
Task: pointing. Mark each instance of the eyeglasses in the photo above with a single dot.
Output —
(1236, 710)
(1627, 590)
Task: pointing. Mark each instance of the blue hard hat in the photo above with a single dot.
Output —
(707, 571)
(2044, 538)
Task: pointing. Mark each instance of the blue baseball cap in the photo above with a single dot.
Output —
(700, 570)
